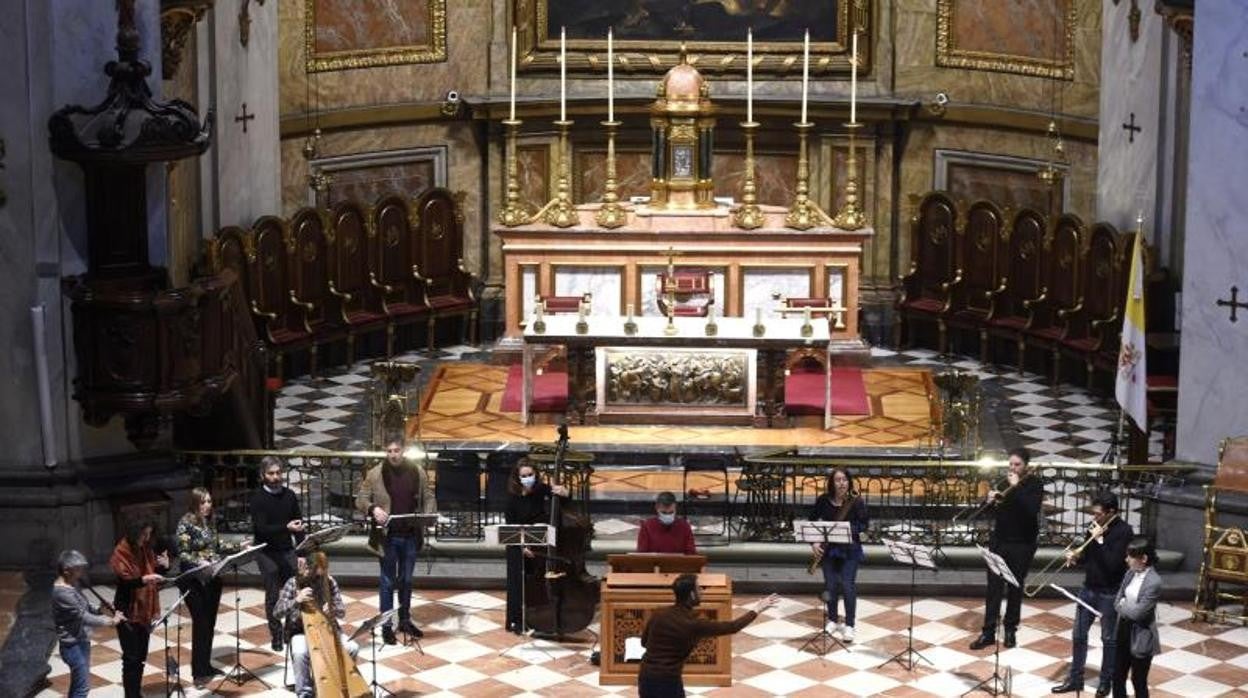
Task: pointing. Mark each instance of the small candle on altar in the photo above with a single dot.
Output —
(580, 311)
(610, 74)
(629, 310)
(758, 315)
(806, 315)
(513, 73)
(749, 75)
(805, 72)
(853, 81)
(563, 74)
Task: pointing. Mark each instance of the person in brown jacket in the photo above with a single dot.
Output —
(396, 487)
(671, 634)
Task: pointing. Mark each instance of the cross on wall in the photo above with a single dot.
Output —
(244, 117)
(1132, 129)
(1234, 303)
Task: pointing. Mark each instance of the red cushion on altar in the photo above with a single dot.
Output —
(550, 391)
(803, 392)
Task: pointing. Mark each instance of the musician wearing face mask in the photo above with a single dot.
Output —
(528, 503)
(671, 633)
(398, 488)
(313, 585)
(839, 561)
(664, 532)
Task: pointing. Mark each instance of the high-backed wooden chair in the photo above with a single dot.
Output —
(693, 291)
(284, 324)
(925, 287)
(1064, 281)
(439, 262)
(309, 275)
(359, 304)
(402, 292)
(1092, 326)
(983, 234)
(1010, 313)
(1224, 559)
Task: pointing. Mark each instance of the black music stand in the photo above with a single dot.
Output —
(173, 677)
(915, 556)
(996, 684)
(522, 535)
(824, 532)
(238, 674)
(370, 626)
(325, 536)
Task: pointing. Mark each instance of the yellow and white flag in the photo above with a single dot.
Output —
(1131, 386)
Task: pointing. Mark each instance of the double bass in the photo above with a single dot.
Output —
(333, 669)
(561, 596)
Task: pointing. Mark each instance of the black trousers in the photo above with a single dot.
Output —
(275, 568)
(1127, 663)
(1017, 557)
(203, 601)
(660, 687)
(134, 638)
(515, 588)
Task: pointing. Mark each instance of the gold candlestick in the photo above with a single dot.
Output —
(851, 217)
(559, 211)
(514, 211)
(748, 216)
(804, 214)
(612, 214)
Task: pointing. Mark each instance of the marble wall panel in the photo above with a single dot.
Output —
(605, 283)
(632, 174)
(775, 176)
(528, 284)
(359, 25)
(1003, 186)
(648, 285)
(1028, 29)
(1212, 381)
(762, 288)
(368, 183)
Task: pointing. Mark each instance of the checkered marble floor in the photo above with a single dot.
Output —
(465, 652)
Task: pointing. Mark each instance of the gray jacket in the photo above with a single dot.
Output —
(1145, 640)
(73, 615)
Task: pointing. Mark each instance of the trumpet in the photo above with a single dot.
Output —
(1046, 575)
(979, 509)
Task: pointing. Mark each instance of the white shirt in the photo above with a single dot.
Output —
(1132, 592)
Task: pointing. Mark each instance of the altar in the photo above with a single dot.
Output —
(675, 370)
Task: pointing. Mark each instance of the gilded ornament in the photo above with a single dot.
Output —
(949, 55)
(432, 52)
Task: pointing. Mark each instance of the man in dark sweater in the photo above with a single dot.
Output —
(1014, 539)
(671, 634)
(1105, 564)
(664, 532)
(277, 522)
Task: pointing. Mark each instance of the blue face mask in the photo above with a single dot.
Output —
(528, 480)
(667, 519)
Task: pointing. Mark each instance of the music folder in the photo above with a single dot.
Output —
(325, 536)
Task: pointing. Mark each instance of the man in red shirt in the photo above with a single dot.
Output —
(665, 533)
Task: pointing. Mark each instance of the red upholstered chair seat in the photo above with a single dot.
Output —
(1011, 321)
(1084, 344)
(404, 308)
(694, 292)
(563, 305)
(925, 305)
(364, 317)
(285, 336)
(1052, 332)
(450, 302)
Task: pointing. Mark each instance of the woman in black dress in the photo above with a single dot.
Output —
(528, 502)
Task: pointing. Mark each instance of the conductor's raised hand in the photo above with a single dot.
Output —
(765, 603)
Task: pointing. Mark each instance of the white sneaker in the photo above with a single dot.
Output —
(847, 633)
(832, 627)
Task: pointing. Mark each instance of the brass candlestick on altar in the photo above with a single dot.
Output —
(514, 212)
(630, 326)
(669, 290)
(582, 326)
(804, 214)
(539, 325)
(748, 216)
(712, 329)
(559, 211)
(851, 217)
(612, 214)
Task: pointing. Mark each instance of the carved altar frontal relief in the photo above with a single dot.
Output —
(666, 380)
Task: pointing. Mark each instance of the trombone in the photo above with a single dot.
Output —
(981, 508)
(1046, 575)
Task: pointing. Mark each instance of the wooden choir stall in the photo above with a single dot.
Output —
(636, 585)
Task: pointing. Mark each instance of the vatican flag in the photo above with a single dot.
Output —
(1131, 384)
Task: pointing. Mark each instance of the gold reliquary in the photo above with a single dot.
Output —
(682, 120)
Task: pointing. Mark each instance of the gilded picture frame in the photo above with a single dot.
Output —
(432, 51)
(949, 54)
(710, 52)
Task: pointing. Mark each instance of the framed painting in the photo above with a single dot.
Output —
(348, 34)
(1028, 38)
(649, 34)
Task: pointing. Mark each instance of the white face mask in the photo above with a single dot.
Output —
(667, 519)
(528, 480)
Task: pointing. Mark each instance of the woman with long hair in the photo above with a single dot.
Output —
(75, 616)
(527, 503)
(1137, 637)
(135, 564)
(839, 561)
(198, 546)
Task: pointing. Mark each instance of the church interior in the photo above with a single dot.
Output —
(911, 305)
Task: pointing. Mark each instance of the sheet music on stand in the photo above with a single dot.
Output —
(823, 531)
(1076, 599)
(207, 571)
(325, 536)
(997, 566)
(911, 553)
(380, 619)
(520, 534)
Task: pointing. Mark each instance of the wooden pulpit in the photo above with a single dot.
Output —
(628, 599)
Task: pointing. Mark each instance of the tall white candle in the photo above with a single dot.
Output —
(805, 71)
(563, 75)
(853, 83)
(513, 73)
(749, 75)
(610, 74)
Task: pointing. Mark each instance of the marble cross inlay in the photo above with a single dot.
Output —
(244, 117)
(1132, 129)
(1234, 303)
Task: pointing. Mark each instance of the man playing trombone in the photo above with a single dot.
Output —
(1103, 554)
(1013, 537)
